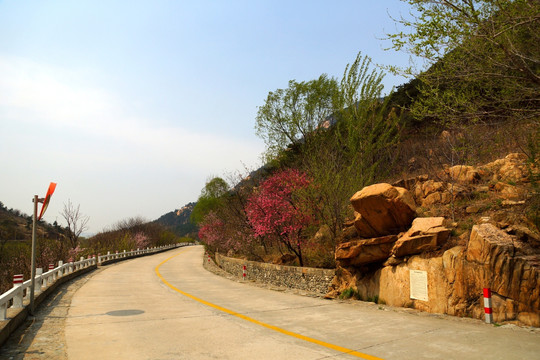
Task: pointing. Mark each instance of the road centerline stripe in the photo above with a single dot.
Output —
(260, 323)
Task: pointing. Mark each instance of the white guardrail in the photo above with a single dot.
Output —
(21, 290)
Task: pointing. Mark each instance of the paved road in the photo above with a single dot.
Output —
(167, 306)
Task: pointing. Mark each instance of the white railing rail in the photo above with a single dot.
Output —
(15, 296)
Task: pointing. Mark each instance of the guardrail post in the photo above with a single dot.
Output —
(38, 279)
(18, 297)
(51, 267)
(61, 270)
(3, 311)
(124, 255)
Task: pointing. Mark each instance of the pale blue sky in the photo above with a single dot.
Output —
(130, 106)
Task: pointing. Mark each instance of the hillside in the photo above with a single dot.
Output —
(15, 225)
(178, 221)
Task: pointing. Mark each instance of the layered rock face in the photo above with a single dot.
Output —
(391, 241)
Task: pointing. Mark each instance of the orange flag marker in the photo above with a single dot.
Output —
(50, 191)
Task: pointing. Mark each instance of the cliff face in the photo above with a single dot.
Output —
(498, 252)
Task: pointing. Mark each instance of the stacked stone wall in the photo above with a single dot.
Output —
(302, 278)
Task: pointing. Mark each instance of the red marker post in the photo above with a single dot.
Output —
(487, 306)
(244, 273)
(17, 283)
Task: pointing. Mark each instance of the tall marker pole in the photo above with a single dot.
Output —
(45, 201)
(33, 271)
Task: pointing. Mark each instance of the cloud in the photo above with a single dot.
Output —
(55, 98)
(87, 138)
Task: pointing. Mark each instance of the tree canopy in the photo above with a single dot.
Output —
(210, 198)
(483, 58)
(289, 115)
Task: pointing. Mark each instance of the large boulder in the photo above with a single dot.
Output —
(488, 243)
(382, 209)
(463, 174)
(409, 245)
(432, 192)
(361, 252)
(425, 234)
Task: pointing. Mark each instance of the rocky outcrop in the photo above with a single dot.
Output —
(380, 251)
(362, 252)
(463, 174)
(511, 168)
(382, 209)
(456, 279)
(425, 234)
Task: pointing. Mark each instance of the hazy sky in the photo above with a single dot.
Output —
(130, 106)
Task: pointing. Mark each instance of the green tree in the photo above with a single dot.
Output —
(344, 145)
(358, 149)
(289, 116)
(483, 58)
(211, 198)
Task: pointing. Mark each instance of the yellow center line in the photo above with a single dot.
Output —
(260, 323)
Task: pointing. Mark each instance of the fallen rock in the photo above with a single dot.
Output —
(436, 192)
(430, 226)
(508, 191)
(425, 234)
(487, 243)
(410, 245)
(509, 203)
(464, 174)
(361, 252)
(382, 209)
(511, 168)
(428, 187)
(473, 209)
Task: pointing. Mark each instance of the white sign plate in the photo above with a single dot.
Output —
(419, 289)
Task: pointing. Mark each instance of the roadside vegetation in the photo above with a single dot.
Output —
(55, 242)
(476, 98)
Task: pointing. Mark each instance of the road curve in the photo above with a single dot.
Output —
(167, 306)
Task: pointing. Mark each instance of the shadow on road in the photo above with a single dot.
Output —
(42, 336)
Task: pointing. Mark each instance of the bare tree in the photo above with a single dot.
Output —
(76, 222)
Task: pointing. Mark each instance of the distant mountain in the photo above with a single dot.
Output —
(16, 225)
(178, 221)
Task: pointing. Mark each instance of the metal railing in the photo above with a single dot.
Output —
(15, 297)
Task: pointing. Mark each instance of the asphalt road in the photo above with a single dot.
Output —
(167, 306)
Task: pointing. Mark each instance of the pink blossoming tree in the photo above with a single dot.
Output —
(276, 210)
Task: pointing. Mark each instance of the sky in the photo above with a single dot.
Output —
(131, 106)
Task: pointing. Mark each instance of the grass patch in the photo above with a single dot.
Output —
(350, 293)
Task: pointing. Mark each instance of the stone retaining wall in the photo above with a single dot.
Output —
(302, 278)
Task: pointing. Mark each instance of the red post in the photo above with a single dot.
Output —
(17, 280)
(244, 273)
(18, 299)
(487, 306)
